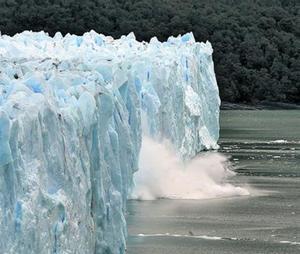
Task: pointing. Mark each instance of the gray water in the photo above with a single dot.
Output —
(264, 148)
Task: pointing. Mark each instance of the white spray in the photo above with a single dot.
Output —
(162, 174)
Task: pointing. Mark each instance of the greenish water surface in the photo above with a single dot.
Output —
(264, 148)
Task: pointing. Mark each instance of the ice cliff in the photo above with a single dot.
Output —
(72, 110)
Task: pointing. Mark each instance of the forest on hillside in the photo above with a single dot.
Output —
(256, 42)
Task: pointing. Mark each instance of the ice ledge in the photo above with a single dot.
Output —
(71, 112)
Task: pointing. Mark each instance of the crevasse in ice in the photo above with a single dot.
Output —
(71, 111)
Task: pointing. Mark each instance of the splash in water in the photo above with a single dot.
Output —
(163, 174)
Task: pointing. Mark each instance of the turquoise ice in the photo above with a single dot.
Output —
(72, 112)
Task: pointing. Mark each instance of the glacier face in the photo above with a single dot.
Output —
(72, 113)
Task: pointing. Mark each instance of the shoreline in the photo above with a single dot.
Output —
(259, 106)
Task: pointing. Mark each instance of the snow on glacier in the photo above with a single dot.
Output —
(72, 110)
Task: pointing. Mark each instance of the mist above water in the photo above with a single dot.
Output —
(162, 174)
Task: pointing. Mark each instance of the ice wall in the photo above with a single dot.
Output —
(72, 110)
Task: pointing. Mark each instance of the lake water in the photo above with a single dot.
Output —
(264, 148)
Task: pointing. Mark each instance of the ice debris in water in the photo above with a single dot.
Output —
(71, 110)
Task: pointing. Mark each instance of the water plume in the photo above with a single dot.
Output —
(162, 174)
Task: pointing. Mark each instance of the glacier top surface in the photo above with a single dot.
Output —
(35, 45)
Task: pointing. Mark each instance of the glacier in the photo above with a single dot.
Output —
(73, 111)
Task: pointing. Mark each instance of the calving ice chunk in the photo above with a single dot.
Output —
(72, 113)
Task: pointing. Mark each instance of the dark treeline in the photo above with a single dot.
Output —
(256, 43)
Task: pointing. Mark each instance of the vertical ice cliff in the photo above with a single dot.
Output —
(71, 112)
